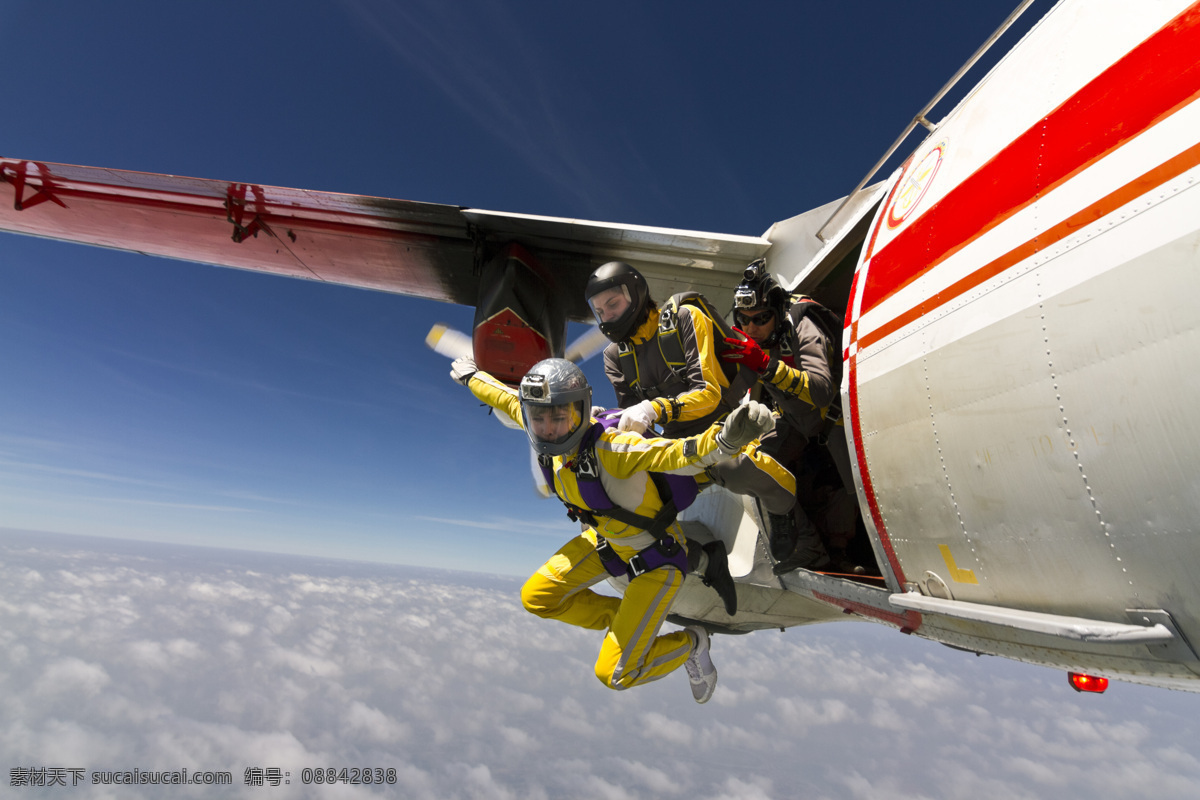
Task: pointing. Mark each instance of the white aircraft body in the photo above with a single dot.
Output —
(1021, 335)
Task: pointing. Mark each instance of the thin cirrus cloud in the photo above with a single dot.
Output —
(474, 58)
(506, 524)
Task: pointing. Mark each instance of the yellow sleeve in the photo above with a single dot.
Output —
(625, 454)
(791, 381)
(498, 395)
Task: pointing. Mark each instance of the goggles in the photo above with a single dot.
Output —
(759, 319)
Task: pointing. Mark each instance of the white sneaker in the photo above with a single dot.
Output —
(701, 672)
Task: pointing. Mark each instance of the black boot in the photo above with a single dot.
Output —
(841, 562)
(781, 535)
(716, 575)
(796, 546)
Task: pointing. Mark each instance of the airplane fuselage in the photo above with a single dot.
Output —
(1020, 348)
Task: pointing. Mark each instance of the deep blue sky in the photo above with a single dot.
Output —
(161, 400)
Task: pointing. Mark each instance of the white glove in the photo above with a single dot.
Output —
(638, 418)
(743, 425)
(461, 369)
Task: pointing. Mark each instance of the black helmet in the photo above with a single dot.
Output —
(556, 406)
(759, 289)
(619, 275)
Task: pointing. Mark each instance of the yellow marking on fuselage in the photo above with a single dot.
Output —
(957, 574)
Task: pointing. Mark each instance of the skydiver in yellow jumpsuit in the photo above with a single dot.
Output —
(553, 405)
(686, 397)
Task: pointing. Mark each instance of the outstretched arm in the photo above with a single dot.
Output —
(624, 454)
(496, 394)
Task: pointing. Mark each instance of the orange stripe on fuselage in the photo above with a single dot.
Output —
(1152, 81)
(1106, 205)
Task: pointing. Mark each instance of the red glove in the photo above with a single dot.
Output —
(746, 351)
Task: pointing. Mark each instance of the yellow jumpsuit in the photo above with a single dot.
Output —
(687, 405)
(633, 651)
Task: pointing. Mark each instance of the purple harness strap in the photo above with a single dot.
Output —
(664, 552)
(676, 491)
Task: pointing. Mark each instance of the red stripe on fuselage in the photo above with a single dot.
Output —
(1152, 81)
(1066, 141)
(1143, 184)
(860, 453)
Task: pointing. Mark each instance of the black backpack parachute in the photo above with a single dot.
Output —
(670, 345)
(830, 323)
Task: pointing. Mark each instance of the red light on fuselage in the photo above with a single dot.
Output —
(1087, 683)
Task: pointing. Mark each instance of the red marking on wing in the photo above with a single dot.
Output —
(398, 246)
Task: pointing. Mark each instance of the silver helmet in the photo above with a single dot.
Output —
(556, 406)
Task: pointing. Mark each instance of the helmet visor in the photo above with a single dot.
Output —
(610, 305)
(552, 424)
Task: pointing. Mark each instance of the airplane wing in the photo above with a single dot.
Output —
(400, 246)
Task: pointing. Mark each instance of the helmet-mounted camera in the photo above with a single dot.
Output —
(746, 297)
(755, 270)
(533, 389)
(757, 288)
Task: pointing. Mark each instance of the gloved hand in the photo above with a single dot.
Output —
(461, 369)
(743, 425)
(745, 351)
(638, 418)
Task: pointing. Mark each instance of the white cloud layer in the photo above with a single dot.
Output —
(122, 656)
